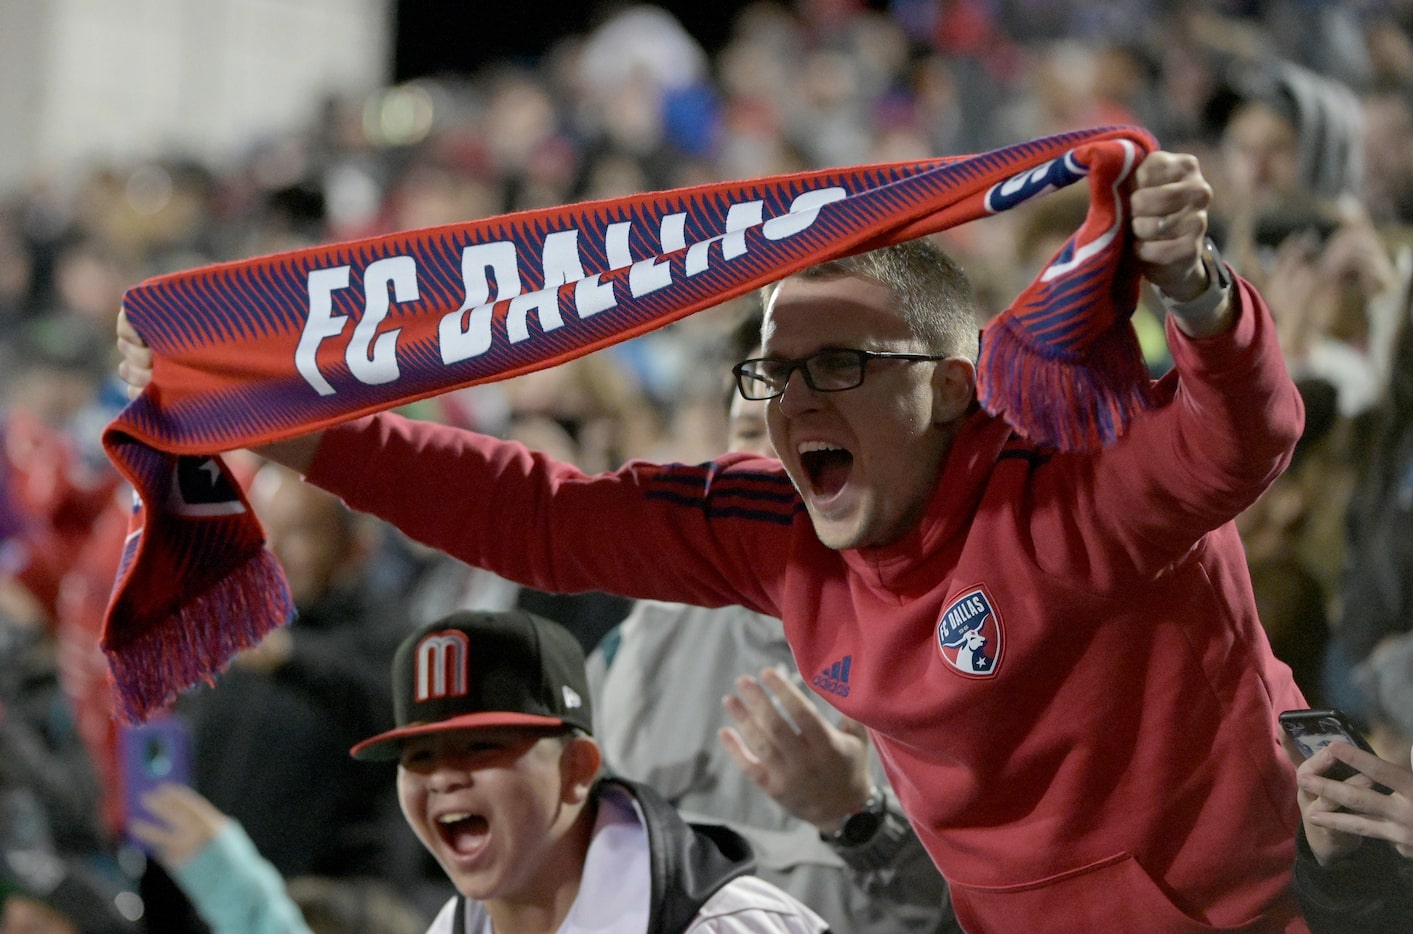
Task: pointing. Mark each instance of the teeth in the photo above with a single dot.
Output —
(808, 446)
(453, 817)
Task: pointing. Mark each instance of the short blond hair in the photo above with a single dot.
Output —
(935, 297)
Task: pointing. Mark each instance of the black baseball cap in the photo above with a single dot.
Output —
(477, 669)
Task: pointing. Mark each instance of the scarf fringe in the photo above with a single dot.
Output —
(197, 641)
(1102, 389)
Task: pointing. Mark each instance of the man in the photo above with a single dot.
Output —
(498, 776)
(1027, 630)
(807, 793)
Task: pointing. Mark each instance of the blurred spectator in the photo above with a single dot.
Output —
(16, 274)
(65, 516)
(1289, 136)
(271, 735)
(40, 750)
(44, 894)
(233, 889)
(1385, 680)
(1292, 605)
(1388, 153)
(1293, 146)
(1375, 583)
(631, 71)
(58, 862)
(527, 148)
(237, 891)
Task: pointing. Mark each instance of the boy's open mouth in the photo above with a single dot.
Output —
(464, 833)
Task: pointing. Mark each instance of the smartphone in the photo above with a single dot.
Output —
(1313, 730)
(152, 753)
(1275, 228)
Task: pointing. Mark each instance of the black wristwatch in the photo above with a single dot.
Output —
(859, 827)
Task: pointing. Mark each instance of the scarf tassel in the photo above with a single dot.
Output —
(198, 640)
(1072, 402)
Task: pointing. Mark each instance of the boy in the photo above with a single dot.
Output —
(499, 777)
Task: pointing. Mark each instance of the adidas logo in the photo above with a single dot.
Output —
(835, 678)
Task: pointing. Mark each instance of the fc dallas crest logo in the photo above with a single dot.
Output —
(969, 633)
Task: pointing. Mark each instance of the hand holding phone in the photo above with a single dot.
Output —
(185, 824)
(1309, 731)
(1339, 814)
(154, 752)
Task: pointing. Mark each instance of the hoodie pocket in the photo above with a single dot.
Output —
(1112, 894)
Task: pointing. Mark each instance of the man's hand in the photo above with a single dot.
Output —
(135, 367)
(812, 769)
(1334, 833)
(1169, 204)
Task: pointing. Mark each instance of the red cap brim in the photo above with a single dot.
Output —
(388, 745)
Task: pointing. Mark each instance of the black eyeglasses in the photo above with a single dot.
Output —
(825, 371)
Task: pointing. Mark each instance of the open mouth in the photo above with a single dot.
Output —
(464, 833)
(827, 466)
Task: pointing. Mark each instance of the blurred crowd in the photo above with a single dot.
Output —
(1301, 113)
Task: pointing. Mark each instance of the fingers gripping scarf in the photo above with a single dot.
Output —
(273, 347)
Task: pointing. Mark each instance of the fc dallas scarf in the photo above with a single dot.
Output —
(268, 348)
